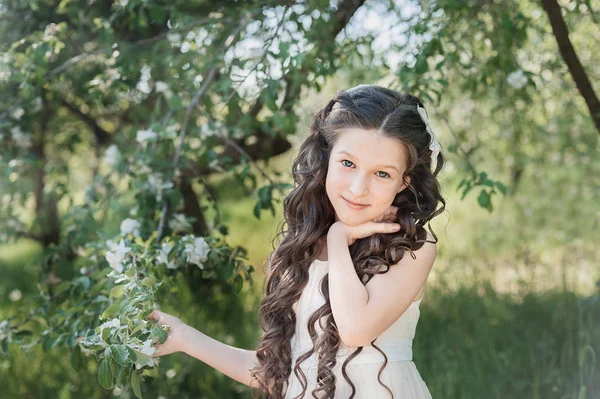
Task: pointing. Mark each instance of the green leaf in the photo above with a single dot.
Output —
(175, 103)
(485, 200)
(122, 377)
(256, 211)
(144, 359)
(135, 384)
(238, 283)
(105, 334)
(119, 354)
(105, 377)
(153, 372)
(111, 311)
(4, 347)
(116, 292)
(62, 287)
(501, 187)
(149, 281)
(160, 334)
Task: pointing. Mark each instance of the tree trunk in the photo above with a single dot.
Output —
(570, 56)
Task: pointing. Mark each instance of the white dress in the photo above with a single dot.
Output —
(400, 374)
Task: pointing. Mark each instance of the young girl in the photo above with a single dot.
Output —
(342, 298)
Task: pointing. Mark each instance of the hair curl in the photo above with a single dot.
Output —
(309, 214)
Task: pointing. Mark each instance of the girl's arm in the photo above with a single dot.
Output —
(231, 361)
(363, 312)
(234, 362)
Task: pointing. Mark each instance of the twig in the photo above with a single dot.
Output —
(207, 82)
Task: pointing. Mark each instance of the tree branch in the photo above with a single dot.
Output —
(570, 56)
(102, 136)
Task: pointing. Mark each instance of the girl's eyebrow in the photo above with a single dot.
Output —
(379, 166)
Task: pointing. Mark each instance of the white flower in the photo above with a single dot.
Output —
(143, 136)
(111, 245)
(21, 139)
(206, 131)
(117, 391)
(517, 79)
(112, 155)
(36, 104)
(18, 113)
(161, 87)
(146, 69)
(185, 47)
(179, 223)
(163, 256)
(197, 251)
(174, 38)
(157, 185)
(171, 373)
(15, 295)
(130, 226)
(143, 86)
(116, 255)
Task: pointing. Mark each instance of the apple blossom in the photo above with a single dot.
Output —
(130, 226)
(517, 79)
(116, 255)
(196, 251)
(163, 256)
(142, 136)
(112, 155)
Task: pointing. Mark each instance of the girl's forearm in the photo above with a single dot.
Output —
(234, 362)
(347, 294)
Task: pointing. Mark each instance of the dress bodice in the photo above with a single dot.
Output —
(396, 341)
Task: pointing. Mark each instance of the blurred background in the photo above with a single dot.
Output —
(115, 110)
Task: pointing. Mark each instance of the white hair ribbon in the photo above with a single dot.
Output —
(434, 145)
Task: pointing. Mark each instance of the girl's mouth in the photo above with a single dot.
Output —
(353, 205)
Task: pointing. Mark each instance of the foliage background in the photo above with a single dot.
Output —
(512, 307)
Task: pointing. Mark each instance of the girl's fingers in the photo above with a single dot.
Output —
(391, 227)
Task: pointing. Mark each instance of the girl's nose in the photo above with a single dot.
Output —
(359, 187)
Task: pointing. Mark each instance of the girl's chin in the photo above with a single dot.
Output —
(351, 221)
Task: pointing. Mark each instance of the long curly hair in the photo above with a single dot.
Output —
(308, 214)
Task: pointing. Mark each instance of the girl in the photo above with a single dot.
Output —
(342, 299)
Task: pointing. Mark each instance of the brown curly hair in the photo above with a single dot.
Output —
(308, 214)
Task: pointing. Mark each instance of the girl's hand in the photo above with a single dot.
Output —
(388, 216)
(177, 333)
(381, 224)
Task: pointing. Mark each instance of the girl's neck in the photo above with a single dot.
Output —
(323, 249)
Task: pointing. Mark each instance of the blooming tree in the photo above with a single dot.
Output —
(153, 99)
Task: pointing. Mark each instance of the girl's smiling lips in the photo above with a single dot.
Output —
(354, 205)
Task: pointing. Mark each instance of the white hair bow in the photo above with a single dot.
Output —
(434, 145)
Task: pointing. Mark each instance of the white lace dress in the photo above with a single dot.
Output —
(400, 373)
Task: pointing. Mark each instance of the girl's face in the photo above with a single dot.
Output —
(365, 167)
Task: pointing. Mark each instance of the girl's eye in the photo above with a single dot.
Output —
(385, 176)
